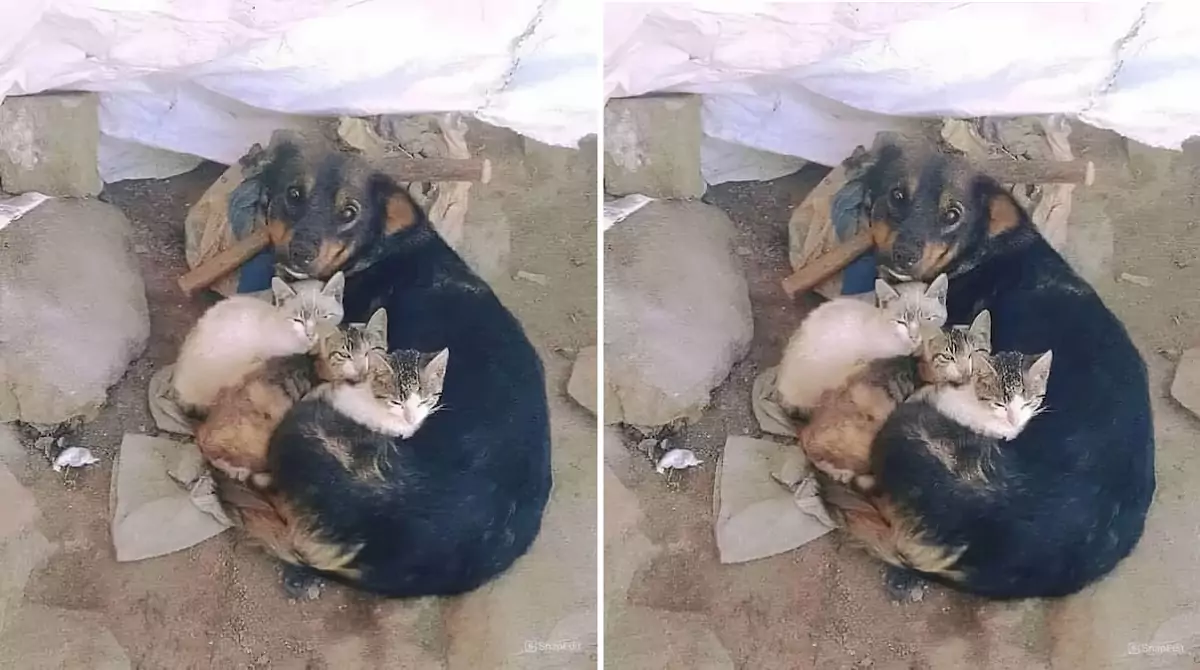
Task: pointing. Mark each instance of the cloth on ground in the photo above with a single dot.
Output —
(764, 401)
(166, 412)
(763, 502)
(162, 498)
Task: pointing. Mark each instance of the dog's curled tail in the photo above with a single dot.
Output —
(886, 532)
(282, 531)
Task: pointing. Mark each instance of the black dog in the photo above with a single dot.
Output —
(1064, 502)
(454, 505)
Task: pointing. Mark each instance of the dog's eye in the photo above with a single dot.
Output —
(294, 194)
(952, 215)
(898, 195)
(349, 212)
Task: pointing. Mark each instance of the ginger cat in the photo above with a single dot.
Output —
(838, 438)
(235, 435)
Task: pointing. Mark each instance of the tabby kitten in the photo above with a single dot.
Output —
(235, 435)
(946, 355)
(237, 334)
(837, 440)
(843, 333)
(398, 395)
(1005, 392)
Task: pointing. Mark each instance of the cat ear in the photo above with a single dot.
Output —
(937, 288)
(981, 365)
(433, 373)
(1039, 373)
(885, 293)
(281, 291)
(335, 286)
(377, 327)
(981, 330)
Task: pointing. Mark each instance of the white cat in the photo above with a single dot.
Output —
(237, 334)
(843, 333)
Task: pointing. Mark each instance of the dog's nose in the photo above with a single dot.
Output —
(904, 258)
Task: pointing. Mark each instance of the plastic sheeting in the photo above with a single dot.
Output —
(210, 78)
(816, 80)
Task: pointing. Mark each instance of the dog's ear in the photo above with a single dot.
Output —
(258, 160)
(399, 210)
(1004, 213)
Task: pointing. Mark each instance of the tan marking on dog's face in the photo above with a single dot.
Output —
(331, 256)
(400, 215)
(882, 236)
(934, 257)
(279, 233)
(1002, 215)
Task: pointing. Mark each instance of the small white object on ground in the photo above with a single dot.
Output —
(677, 459)
(616, 211)
(1137, 279)
(14, 207)
(74, 457)
(533, 277)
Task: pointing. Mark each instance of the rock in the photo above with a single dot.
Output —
(582, 384)
(677, 311)
(49, 143)
(652, 146)
(23, 548)
(626, 547)
(73, 311)
(1186, 387)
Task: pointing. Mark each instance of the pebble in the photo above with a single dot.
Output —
(1140, 280)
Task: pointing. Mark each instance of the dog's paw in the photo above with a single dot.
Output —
(300, 583)
(903, 586)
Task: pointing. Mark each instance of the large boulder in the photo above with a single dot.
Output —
(676, 309)
(72, 310)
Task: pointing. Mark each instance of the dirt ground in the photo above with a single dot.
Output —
(219, 605)
(823, 605)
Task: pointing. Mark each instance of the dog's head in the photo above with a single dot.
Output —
(929, 211)
(326, 209)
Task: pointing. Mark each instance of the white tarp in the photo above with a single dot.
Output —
(211, 77)
(815, 80)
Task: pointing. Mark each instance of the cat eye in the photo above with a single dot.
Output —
(349, 212)
(997, 405)
(898, 195)
(952, 215)
(294, 194)
(339, 356)
(941, 358)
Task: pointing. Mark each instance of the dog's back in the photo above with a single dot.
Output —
(455, 504)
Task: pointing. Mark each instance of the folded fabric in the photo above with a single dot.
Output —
(758, 512)
(152, 513)
(764, 400)
(168, 416)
